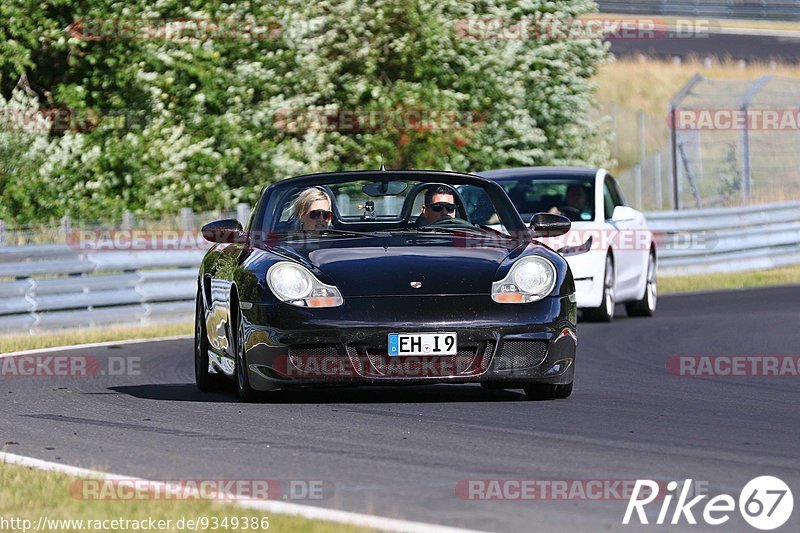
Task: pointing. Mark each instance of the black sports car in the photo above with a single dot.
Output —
(385, 277)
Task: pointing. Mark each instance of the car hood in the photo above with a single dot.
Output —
(362, 267)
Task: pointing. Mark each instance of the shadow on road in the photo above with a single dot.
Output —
(186, 392)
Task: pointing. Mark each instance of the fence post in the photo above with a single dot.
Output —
(746, 164)
(615, 136)
(66, 224)
(642, 141)
(127, 220)
(243, 213)
(637, 177)
(674, 105)
(187, 218)
(2, 232)
(657, 178)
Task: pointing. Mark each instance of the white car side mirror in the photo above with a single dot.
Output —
(623, 213)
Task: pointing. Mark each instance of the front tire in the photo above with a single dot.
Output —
(548, 391)
(605, 312)
(205, 380)
(647, 305)
(246, 392)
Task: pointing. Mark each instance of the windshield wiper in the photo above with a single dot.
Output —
(433, 229)
(333, 231)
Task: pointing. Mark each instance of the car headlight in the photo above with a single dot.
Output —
(296, 285)
(529, 280)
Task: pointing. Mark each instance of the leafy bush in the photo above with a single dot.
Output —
(206, 123)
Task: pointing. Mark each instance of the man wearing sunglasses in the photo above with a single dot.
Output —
(312, 209)
(439, 204)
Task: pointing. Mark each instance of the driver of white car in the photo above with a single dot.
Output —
(576, 203)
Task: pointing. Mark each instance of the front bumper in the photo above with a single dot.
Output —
(503, 344)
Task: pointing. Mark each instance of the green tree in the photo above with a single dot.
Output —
(209, 120)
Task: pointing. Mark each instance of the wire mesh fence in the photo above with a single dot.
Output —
(736, 142)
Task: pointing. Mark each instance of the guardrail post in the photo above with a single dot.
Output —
(187, 218)
(243, 213)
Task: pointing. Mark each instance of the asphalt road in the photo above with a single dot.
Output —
(399, 452)
(761, 48)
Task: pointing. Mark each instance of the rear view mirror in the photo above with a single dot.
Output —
(384, 188)
(549, 225)
(227, 230)
(622, 213)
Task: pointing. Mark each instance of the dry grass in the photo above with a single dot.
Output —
(13, 343)
(649, 85)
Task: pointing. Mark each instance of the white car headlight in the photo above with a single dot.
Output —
(529, 280)
(296, 285)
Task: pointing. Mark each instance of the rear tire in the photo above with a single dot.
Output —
(205, 380)
(605, 312)
(647, 305)
(548, 391)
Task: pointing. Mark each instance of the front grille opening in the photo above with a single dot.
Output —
(517, 355)
(301, 354)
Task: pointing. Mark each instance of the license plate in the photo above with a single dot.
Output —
(422, 344)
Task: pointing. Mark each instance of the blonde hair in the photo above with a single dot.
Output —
(303, 202)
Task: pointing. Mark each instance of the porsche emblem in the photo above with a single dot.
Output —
(416, 284)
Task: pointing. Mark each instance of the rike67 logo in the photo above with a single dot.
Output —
(765, 503)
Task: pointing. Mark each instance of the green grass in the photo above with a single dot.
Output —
(736, 280)
(16, 342)
(27, 493)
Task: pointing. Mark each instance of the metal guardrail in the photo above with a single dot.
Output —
(48, 287)
(54, 286)
(701, 241)
(739, 9)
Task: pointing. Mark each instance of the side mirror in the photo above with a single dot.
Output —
(549, 225)
(228, 230)
(623, 213)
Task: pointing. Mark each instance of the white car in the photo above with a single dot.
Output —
(610, 249)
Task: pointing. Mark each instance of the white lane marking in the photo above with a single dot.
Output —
(96, 345)
(294, 509)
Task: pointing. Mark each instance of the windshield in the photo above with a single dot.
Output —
(570, 197)
(386, 204)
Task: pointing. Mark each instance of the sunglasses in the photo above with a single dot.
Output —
(438, 206)
(317, 213)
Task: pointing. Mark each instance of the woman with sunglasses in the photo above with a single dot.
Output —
(312, 209)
